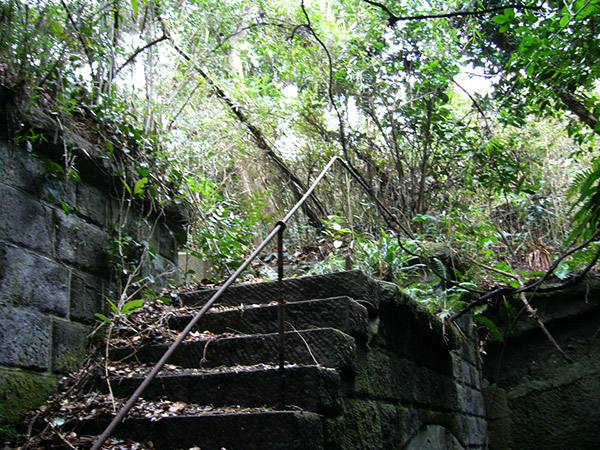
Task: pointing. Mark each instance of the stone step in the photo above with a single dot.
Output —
(248, 430)
(327, 347)
(342, 313)
(354, 284)
(311, 388)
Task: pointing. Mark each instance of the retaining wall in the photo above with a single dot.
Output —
(536, 398)
(56, 269)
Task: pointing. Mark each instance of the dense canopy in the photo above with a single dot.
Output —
(474, 122)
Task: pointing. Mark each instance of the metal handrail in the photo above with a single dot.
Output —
(276, 232)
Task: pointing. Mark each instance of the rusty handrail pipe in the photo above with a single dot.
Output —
(276, 232)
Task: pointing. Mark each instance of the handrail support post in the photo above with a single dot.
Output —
(281, 316)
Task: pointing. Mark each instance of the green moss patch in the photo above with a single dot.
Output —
(21, 392)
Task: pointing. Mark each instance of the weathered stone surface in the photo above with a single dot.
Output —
(385, 376)
(328, 347)
(25, 222)
(12, 170)
(341, 313)
(498, 418)
(352, 284)
(553, 403)
(434, 437)
(464, 372)
(86, 297)
(277, 430)
(24, 339)
(472, 430)
(167, 243)
(69, 345)
(53, 264)
(19, 393)
(564, 304)
(160, 271)
(47, 283)
(91, 203)
(358, 428)
(25, 171)
(82, 244)
(312, 388)
(469, 401)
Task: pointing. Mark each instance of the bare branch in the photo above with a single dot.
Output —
(393, 19)
(79, 36)
(535, 285)
(140, 50)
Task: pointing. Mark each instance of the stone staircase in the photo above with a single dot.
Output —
(366, 367)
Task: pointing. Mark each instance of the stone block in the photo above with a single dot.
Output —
(160, 271)
(386, 376)
(434, 390)
(460, 369)
(465, 373)
(24, 221)
(27, 279)
(393, 432)
(473, 431)
(12, 169)
(69, 345)
(83, 244)
(498, 417)
(24, 339)
(167, 242)
(434, 437)
(91, 203)
(86, 297)
(20, 392)
(470, 401)
(469, 353)
(358, 428)
(27, 172)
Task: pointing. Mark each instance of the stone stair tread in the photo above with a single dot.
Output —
(342, 313)
(354, 284)
(229, 428)
(327, 347)
(311, 388)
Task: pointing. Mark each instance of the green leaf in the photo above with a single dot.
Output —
(132, 305)
(102, 317)
(65, 207)
(482, 320)
(56, 28)
(135, 5)
(51, 196)
(500, 20)
(564, 20)
(562, 271)
(112, 306)
(139, 186)
(110, 147)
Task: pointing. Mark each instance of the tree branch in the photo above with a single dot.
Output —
(579, 109)
(393, 19)
(79, 36)
(535, 286)
(296, 184)
(140, 50)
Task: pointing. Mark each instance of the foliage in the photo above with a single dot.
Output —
(235, 105)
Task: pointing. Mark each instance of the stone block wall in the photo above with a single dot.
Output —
(536, 398)
(55, 264)
(418, 384)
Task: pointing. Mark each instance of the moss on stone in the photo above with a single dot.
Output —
(21, 392)
(358, 428)
(71, 360)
